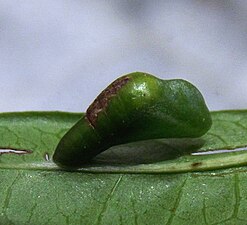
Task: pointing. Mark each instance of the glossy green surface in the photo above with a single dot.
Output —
(135, 107)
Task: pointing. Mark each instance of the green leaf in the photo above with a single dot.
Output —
(212, 191)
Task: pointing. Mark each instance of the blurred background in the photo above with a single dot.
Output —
(58, 55)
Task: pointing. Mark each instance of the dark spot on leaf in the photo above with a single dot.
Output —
(173, 210)
(196, 164)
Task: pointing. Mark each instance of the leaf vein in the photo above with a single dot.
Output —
(177, 201)
(9, 191)
(218, 136)
(109, 196)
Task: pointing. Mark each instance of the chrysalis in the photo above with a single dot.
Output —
(135, 107)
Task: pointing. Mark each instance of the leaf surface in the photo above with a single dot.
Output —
(152, 182)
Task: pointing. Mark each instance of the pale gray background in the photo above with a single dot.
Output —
(59, 54)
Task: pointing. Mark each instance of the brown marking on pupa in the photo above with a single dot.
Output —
(101, 102)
